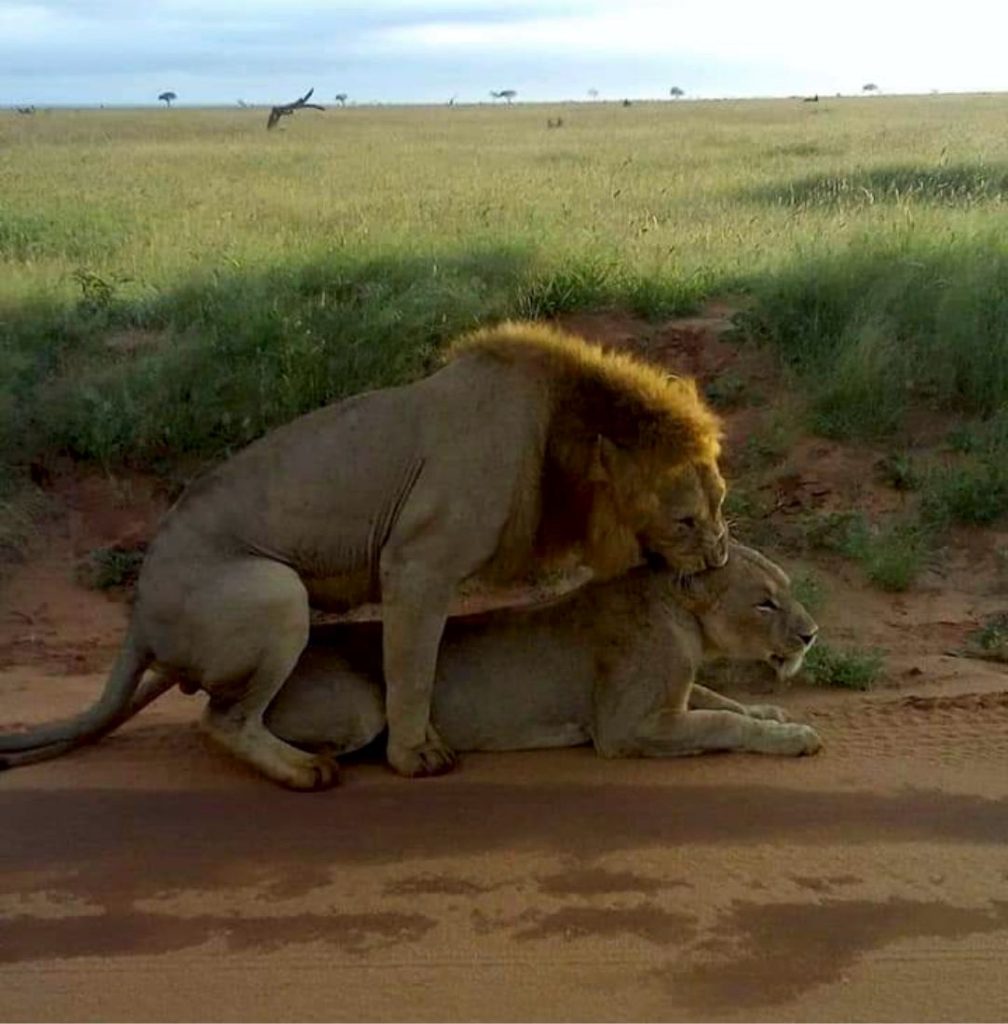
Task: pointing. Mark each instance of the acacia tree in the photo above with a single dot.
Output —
(675, 92)
(504, 94)
(869, 87)
(167, 97)
(341, 98)
(593, 94)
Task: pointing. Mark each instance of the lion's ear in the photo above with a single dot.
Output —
(606, 463)
(597, 473)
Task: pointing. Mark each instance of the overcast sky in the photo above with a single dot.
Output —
(215, 51)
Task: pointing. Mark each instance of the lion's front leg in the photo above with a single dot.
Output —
(671, 733)
(414, 610)
(710, 700)
(443, 535)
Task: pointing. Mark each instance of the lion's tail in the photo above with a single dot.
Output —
(117, 703)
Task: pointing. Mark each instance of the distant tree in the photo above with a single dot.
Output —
(675, 92)
(242, 104)
(341, 98)
(593, 94)
(626, 103)
(167, 97)
(286, 109)
(504, 94)
(451, 102)
(869, 87)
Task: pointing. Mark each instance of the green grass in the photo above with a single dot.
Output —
(259, 275)
(892, 553)
(21, 508)
(899, 471)
(973, 493)
(808, 588)
(914, 318)
(852, 668)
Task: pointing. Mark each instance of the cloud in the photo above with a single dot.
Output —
(889, 33)
(69, 50)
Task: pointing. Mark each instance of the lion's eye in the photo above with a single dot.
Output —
(768, 604)
(688, 521)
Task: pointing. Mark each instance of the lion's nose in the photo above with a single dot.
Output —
(808, 639)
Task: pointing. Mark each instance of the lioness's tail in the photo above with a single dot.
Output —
(112, 708)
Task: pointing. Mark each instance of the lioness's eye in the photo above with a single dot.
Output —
(768, 604)
(688, 521)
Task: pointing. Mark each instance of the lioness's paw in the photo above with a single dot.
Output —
(767, 712)
(798, 740)
(432, 758)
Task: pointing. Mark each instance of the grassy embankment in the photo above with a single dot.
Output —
(175, 282)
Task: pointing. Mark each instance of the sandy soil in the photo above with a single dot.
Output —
(151, 878)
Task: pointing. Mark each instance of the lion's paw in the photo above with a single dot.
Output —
(280, 761)
(431, 758)
(320, 771)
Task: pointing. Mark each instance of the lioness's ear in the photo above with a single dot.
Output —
(697, 593)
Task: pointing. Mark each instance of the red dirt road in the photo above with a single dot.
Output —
(150, 878)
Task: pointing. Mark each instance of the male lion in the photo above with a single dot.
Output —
(528, 443)
(613, 663)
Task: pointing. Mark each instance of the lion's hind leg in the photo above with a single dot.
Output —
(671, 733)
(250, 626)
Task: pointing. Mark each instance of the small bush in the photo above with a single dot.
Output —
(972, 494)
(992, 636)
(828, 531)
(892, 555)
(852, 669)
(770, 443)
(726, 392)
(899, 472)
(106, 568)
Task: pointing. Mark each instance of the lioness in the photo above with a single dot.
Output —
(529, 442)
(613, 663)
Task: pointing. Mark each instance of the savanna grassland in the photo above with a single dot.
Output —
(835, 274)
(177, 281)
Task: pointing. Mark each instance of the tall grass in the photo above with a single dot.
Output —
(179, 281)
(892, 321)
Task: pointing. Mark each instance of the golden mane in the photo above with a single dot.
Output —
(635, 404)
